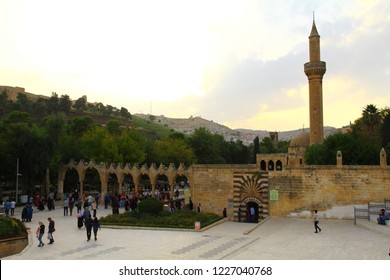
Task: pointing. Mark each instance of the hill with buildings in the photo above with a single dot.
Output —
(188, 126)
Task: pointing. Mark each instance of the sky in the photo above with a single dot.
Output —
(237, 63)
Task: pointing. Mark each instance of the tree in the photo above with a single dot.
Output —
(99, 145)
(256, 148)
(131, 146)
(53, 103)
(65, 104)
(80, 125)
(205, 146)
(124, 113)
(114, 127)
(266, 146)
(80, 104)
(173, 150)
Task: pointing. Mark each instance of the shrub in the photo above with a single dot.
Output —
(150, 206)
(10, 227)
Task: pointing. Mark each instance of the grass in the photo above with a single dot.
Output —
(176, 219)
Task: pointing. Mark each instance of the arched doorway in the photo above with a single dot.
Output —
(71, 181)
(145, 186)
(113, 184)
(128, 185)
(92, 184)
(253, 209)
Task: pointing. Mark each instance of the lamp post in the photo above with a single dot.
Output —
(17, 179)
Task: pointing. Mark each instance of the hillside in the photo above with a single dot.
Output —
(188, 126)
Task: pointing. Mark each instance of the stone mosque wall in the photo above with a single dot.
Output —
(322, 187)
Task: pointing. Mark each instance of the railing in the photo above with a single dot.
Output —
(361, 213)
(373, 208)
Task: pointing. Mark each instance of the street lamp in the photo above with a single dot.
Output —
(17, 180)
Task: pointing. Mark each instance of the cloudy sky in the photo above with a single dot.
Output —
(238, 63)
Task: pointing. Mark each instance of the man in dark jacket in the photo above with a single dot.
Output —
(88, 225)
(51, 229)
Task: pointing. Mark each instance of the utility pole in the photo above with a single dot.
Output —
(17, 180)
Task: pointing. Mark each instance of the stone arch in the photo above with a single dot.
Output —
(71, 180)
(92, 182)
(250, 187)
(271, 165)
(255, 203)
(279, 165)
(263, 165)
(113, 185)
(128, 184)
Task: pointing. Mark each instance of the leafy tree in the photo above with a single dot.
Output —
(65, 104)
(99, 145)
(205, 146)
(114, 127)
(124, 113)
(173, 150)
(131, 146)
(53, 103)
(256, 148)
(80, 104)
(22, 103)
(266, 146)
(80, 125)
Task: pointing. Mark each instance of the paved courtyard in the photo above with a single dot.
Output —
(276, 239)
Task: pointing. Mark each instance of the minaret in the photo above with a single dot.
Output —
(315, 70)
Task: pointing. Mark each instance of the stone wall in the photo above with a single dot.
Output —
(299, 189)
(12, 246)
(322, 187)
(213, 186)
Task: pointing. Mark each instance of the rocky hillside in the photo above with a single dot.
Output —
(188, 126)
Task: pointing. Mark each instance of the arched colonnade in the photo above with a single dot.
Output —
(120, 171)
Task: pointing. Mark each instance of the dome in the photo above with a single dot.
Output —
(301, 140)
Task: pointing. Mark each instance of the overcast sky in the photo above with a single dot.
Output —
(238, 63)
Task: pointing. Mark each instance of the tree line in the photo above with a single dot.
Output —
(361, 145)
(43, 135)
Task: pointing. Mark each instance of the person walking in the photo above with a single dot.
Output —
(316, 221)
(13, 204)
(50, 231)
(66, 207)
(96, 227)
(88, 225)
(40, 232)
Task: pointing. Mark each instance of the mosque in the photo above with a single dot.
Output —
(278, 184)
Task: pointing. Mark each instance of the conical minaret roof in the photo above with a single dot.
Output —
(314, 31)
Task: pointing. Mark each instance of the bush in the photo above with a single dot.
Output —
(175, 219)
(150, 206)
(10, 227)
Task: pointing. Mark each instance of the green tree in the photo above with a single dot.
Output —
(114, 127)
(124, 113)
(173, 150)
(205, 146)
(81, 125)
(131, 146)
(65, 104)
(256, 148)
(80, 104)
(266, 146)
(99, 145)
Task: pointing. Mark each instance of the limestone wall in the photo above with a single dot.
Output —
(322, 187)
(213, 186)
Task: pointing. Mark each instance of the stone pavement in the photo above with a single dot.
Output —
(277, 238)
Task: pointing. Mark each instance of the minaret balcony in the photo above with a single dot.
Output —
(315, 68)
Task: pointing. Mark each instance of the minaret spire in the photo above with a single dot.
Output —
(315, 70)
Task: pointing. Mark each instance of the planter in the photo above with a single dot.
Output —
(13, 245)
